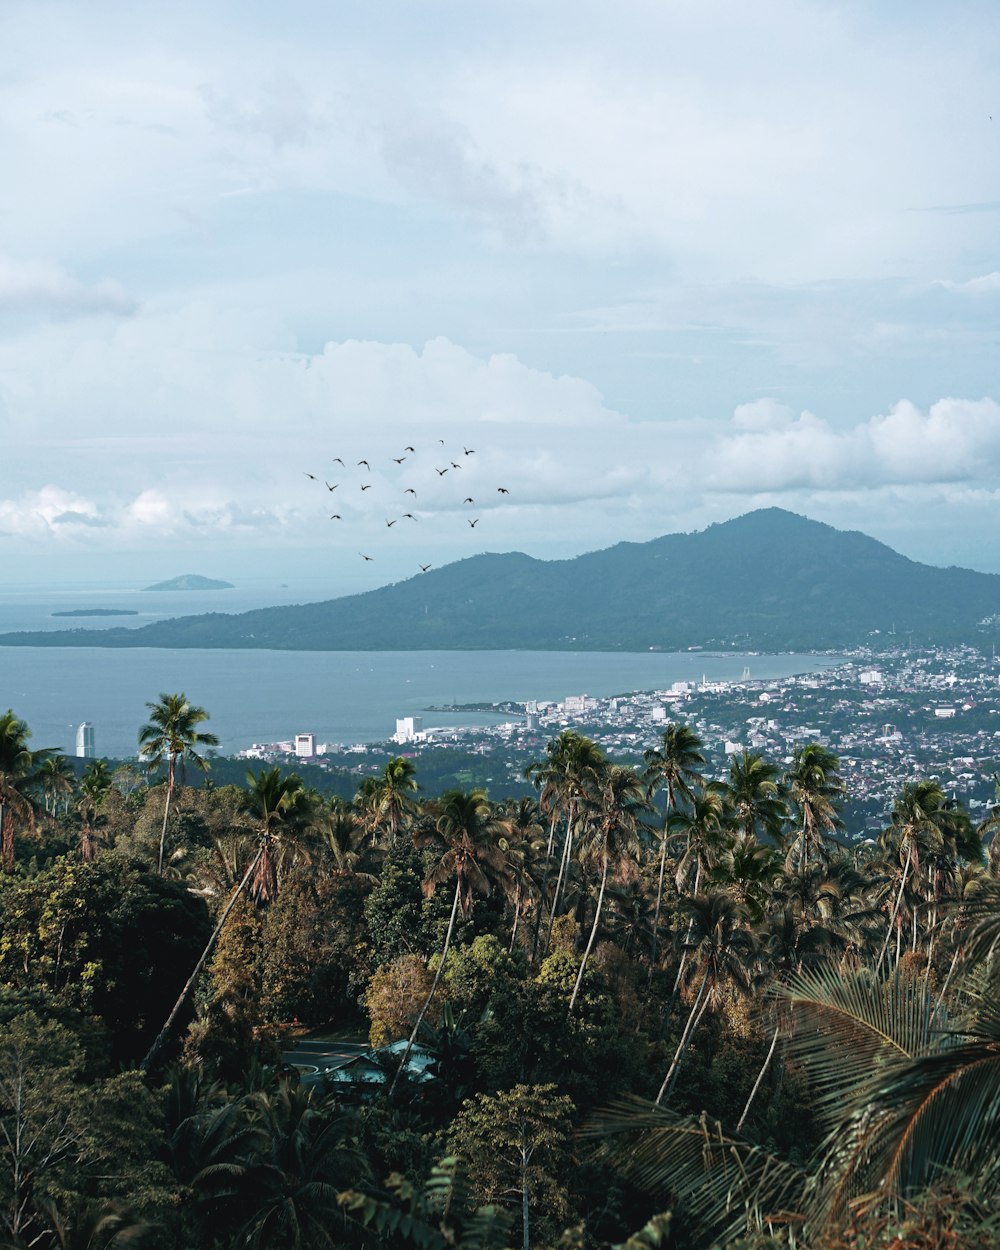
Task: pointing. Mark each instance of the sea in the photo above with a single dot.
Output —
(343, 697)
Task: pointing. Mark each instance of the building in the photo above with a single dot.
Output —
(85, 748)
(408, 729)
(305, 746)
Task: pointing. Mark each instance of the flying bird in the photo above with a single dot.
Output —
(441, 441)
(337, 460)
(329, 487)
(410, 515)
(336, 517)
(312, 475)
(364, 557)
(410, 491)
(368, 487)
(424, 568)
(390, 524)
(440, 472)
(468, 499)
(409, 449)
(469, 451)
(502, 490)
(474, 523)
(455, 466)
(366, 464)
(399, 459)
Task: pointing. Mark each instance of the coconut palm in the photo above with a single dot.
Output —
(279, 810)
(392, 801)
(94, 787)
(56, 779)
(755, 796)
(522, 842)
(675, 767)
(172, 734)
(466, 837)
(722, 946)
(19, 767)
(614, 807)
(815, 787)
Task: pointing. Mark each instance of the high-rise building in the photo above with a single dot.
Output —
(85, 748)
(305, 746)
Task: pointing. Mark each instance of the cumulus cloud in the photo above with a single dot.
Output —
(987, 284)
(43, 287)
(955, 440)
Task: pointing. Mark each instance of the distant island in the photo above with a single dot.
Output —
(98, 612)
(767, 581)
(191, 581)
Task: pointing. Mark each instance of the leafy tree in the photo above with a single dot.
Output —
(172, 734)
(815, 787)
(754, 794)
(19, 776)
(515, 1145)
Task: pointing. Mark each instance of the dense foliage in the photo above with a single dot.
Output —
(633, 1006)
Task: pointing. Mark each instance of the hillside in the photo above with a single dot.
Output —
(769, 579)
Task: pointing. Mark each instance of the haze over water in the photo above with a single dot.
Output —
(263, 696)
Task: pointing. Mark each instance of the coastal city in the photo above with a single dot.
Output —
(890, 714)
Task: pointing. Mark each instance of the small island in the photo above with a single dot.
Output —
(191, 581)
(98, 612)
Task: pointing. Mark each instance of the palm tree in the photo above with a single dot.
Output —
(467, 834)
(755, 795)
(94, 786)
(673, 766)
(814, 786)
(614, 806)
(920, 819)
(522, 843)
(172, 734)
(571, 762)
(279, 809)
(19, 767)
(55, 779)
(723, 945)
(392, 803)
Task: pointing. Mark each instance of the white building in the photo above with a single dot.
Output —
(870, 677)
(409, 729)
(85, 748)
(305, 746)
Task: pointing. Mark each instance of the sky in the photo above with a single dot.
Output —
(655, 264)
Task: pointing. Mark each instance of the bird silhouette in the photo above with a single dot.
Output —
(424, 568)
(390, 524)
(368, 487)
(364, 557)
(399, 459)
(455, 466)
(468, 499)
(312, 475)
(410, 515)
(410, 491)
(474, 523)
(469, 451)
(409, 449)
(440, 472)
(329, 487)
(337, 460)
(336, 517)
(502, 490)
(366, 464)
(441, 441)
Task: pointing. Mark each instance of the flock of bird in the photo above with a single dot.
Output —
(408, 452)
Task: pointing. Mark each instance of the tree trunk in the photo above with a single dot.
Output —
(164, 1033)
(541, 893)
(567, 852)
(434, 985)
(517, 916)
(166, 814)
(525, 1239)
(760, 1076)
(668, 1080)
(593, 935)
(895, 910)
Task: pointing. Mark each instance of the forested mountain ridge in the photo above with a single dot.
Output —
(769, 579)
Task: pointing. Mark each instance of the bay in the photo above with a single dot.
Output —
(342, 697)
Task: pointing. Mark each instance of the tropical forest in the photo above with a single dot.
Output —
(641, 1005)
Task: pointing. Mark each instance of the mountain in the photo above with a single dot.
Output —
(191, 581)
(767, 580)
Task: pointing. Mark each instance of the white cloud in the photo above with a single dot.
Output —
(35, 287)
(987, 284)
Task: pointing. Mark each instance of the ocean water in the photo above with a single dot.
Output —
(264, 696)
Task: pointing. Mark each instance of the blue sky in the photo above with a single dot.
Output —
(659, 264)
